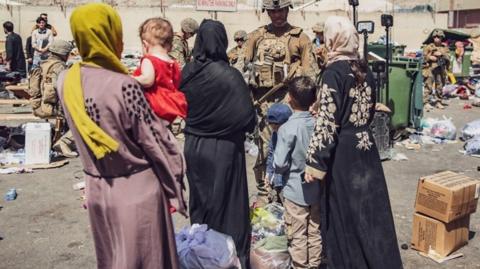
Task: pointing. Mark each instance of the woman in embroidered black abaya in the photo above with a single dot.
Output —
(220, 111)
(357, 224)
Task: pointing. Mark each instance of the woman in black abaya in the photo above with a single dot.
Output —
(220, 111)
(357, 223)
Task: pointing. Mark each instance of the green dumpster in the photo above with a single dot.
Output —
(379, 49)
(405, 93)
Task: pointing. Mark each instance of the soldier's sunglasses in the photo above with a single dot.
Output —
(239, 39)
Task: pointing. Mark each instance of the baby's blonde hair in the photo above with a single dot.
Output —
(157, 31)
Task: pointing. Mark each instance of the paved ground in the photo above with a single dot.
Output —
(46, 227)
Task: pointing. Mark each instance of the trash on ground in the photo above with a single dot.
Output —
(438, 258)
(472, 146)
(200, 247)
(399, 157)
(9, 157)
(56, 164)
(270, 253)
(79, 186)
(470, 130)
(267, 221)
(251, 148)
(11, 195)
(15, 170)
(412, 146)
(443, 129)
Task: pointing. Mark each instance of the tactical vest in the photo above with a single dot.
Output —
(272, 58)
(44, 97)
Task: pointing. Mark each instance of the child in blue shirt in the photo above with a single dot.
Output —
(301, 199)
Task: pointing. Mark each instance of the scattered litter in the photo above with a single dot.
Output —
(476, 102)
(399, 157)
(79, 186)
(270, 253)
(472, 146)
(37, 166)
(470, 130)
(200, 247)
(12, 158)
(11, 195)
(439, 259)
(443, 129)
(449, 90)
(412, 146)
(467, 106)
(420, 139)
(404, 246)
(267, 221)
(251, 148)
(15, 170)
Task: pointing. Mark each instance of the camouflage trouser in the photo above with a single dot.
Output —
(67, 138)
(263, 135)
(434, 80)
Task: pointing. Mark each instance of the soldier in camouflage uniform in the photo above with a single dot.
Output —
(180, 51)
(43, 92)
(236, 56)
(274, 52)
(436, 57)
(319, 47)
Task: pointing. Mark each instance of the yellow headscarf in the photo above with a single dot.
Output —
(97, 31)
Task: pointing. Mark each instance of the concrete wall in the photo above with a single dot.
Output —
(409, 28)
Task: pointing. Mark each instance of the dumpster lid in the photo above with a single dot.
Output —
(375, 57)
(449, 35)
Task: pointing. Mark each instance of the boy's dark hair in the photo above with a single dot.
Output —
(8, 25)
(40, 19)
(44, 14)
(303, 91)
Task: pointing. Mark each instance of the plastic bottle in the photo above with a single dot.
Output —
(11, 195)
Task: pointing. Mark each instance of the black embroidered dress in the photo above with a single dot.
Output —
(357, 223)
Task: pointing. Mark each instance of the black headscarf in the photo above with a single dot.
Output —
(218, 98)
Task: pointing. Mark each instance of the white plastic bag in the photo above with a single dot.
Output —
(202, 248)
(444, 129)
(470, 130)
(472, 147)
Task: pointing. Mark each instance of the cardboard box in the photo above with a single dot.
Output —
(443, 238)
(37, 143)
(447, 196)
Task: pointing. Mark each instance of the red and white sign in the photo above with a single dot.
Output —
(217, 5)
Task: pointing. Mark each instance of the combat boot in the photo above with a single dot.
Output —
(62, 148)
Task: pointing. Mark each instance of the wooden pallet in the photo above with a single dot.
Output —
(19, 117)
(14, 102)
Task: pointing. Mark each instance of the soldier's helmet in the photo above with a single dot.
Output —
(318, 27)
(438, 33)
(240, 35)
(276, 4)
(189, 25)
(60, 47)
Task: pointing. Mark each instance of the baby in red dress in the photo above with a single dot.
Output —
(158, 73)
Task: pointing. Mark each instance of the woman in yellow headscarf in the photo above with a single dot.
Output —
(133, 167)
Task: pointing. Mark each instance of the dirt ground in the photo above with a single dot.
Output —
(46, 227)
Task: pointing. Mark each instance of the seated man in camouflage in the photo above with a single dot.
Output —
(43, 92)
